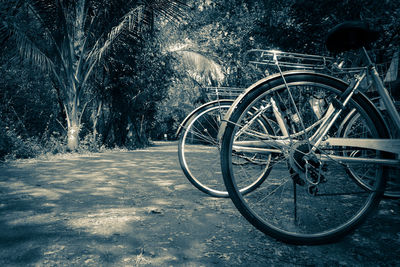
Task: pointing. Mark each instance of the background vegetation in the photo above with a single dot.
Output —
(149, 64)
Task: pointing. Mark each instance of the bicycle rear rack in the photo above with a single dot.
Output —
(223, 92)
(288, 59)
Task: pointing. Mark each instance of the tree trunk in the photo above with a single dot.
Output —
(73, 123)
(73, 137)
(95, 119)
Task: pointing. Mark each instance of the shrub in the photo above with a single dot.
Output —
(15, 147)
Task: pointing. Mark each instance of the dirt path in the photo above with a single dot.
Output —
(137, 209)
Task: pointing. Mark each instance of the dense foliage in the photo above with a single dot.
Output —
(144, 84)
(71, 41)
(223, 31)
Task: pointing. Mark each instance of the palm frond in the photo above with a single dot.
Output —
(8, 10)
(133, 21)
(52, 17)
(5, 33)
(201, 67)
(52, 21)
(130, 21)
(46, 9)
(29, 50)
(172, 9)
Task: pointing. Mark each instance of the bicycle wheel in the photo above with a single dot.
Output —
(352, 128)
(199, 151)
(309, 196)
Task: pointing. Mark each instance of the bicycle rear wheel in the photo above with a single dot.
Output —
(199, 152)
(304, 200)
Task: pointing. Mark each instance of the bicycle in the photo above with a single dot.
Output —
(198, 146)
(330, 156)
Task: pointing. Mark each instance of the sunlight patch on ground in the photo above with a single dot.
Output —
(30, 217)
(102, 191)
(155, 261)
(150, 260)
(12, 184)
(105, 160)
(53, 194)
(115, 170)
(183, 187)
(160, 201)
(35, 191)
(165, 183)
(158, 170)
(106, 222)
(54, 249)
(49, 158)
(76, 177)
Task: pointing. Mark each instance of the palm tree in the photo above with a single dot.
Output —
(70, 38)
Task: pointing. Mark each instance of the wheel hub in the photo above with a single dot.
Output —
(297, 156)
(304, 165)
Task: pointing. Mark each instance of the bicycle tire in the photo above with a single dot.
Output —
(198, 150)
(278, 208)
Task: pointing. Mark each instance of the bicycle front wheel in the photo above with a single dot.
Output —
(199, 151)
(310, 196)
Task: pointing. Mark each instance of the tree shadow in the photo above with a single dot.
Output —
(117, 207)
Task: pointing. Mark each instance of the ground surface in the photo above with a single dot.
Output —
(137, 209)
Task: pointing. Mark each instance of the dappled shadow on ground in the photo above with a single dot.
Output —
(136, 208)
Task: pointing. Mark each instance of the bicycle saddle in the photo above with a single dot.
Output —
(350, 35)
